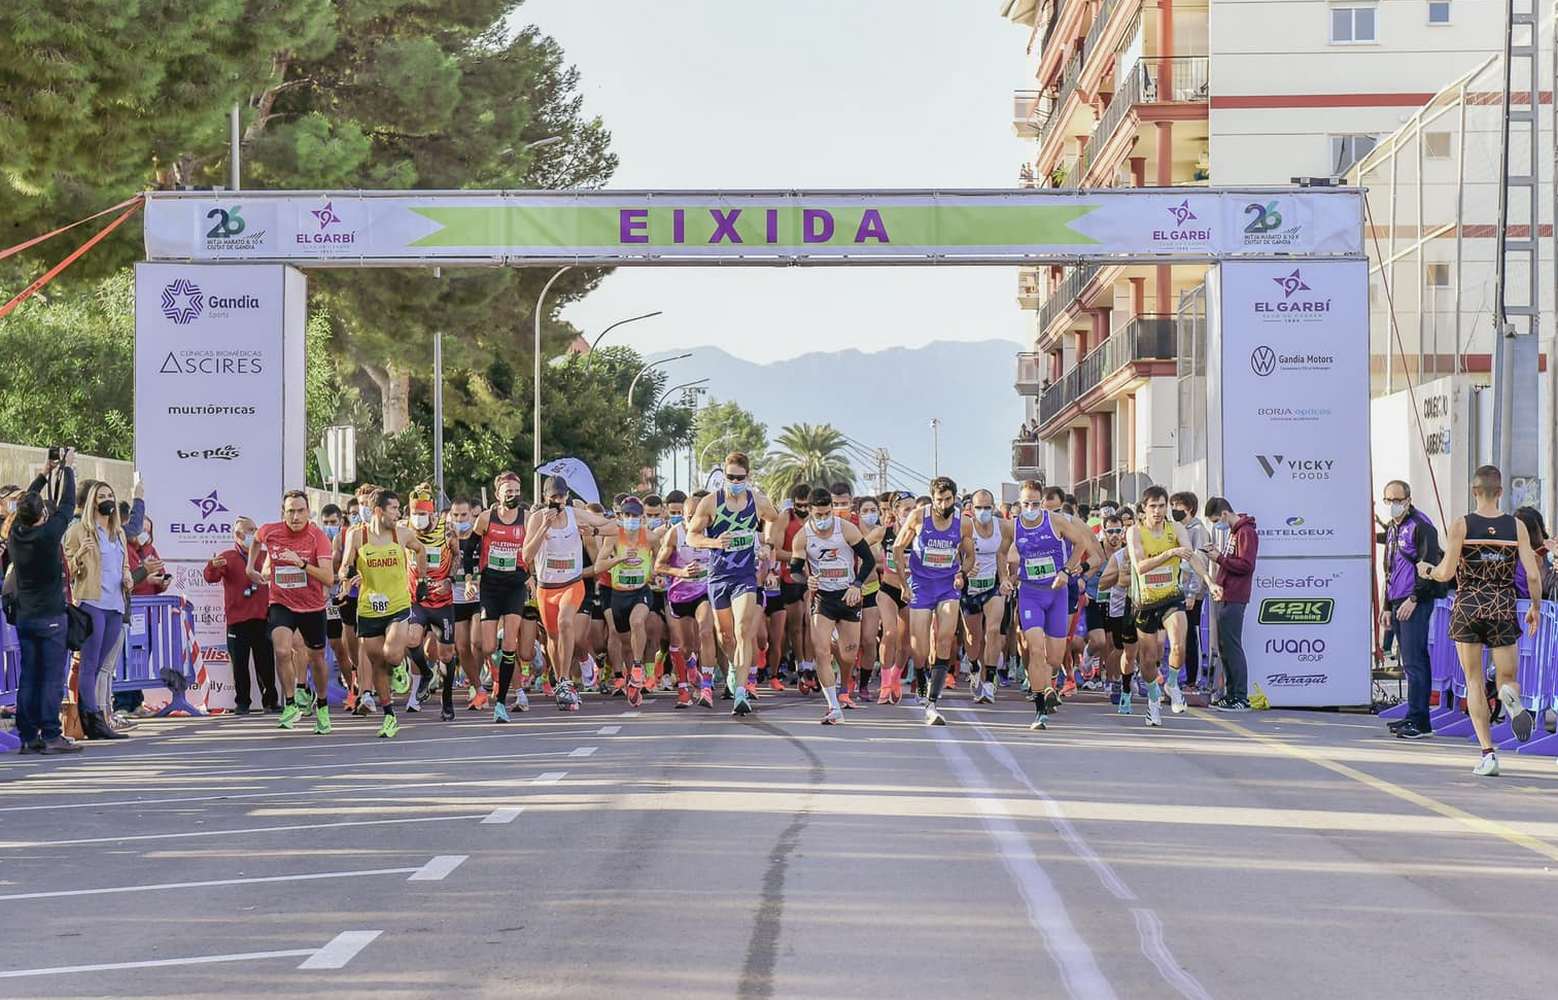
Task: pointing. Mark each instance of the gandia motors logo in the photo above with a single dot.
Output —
(208, 505)
(326, 216)
(182, 301)
(1291, 283)
(1263, 361)
(1181, 212)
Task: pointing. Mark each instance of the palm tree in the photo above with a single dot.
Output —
(807, 453)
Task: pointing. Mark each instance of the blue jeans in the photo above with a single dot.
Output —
(97, 657)
(43, 677)
(1412, 639)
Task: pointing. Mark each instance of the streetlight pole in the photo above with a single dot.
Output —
(536, 429)
(935, 446)
(653, 364)
(600, 336)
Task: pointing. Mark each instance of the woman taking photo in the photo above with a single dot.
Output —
(98, 555)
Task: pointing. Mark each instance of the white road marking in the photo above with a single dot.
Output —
(582, 751)
(630, 715)
(549, 778)
(608, 730)
(306, 877)
(228, 833)
(1150, 930)
(505, 814)
(250, 956)
(340, 950)
(437, 869)
(1046, 910)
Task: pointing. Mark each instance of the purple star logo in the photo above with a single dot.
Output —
(182, 301)
(208, 505)
(326, 216)
(1181, 212)
(1291, 283)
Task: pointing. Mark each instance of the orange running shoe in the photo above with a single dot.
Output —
(776, 684)
(897, 685)
(1069, 688)
(683, 697)
(351, 702)
(546, 688)
(846, 701)
(706, 697)
(618, 686)
(479, 701)
(884, 686)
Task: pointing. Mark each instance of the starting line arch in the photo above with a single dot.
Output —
(221, 306)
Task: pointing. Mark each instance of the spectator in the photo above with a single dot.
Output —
(98, 555)
(1185, 506)
(9, 496)
(148, 576)
(1234, 556)
(245, 604)
(1410, 541)
(35, 585)
(1536, 527)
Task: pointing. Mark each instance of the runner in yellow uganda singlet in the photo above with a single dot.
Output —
(386, 587)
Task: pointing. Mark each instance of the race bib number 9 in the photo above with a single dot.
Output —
(1039, 567)
(503, 558)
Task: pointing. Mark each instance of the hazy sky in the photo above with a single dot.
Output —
(799, 94)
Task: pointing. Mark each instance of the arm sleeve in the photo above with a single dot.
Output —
(1428, 550)
(137, 520)
(862, 550)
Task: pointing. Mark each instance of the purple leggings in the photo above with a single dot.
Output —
(96, 654)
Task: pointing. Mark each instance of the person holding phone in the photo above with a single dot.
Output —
(98, 554)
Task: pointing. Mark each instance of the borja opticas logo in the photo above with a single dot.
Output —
(208, 505)
(325, 235)
(1295, 468)
(182, 301)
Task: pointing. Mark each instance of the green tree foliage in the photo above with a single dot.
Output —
(724, 427)
(807, 453)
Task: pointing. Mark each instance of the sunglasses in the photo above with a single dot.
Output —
(1114, 531)
(735, 479)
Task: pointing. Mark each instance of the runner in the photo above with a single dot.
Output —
(731, 532)
(503, 591)
(630, 560)
(432, 617)
(377, 554)
(1119, 615)
(987, 582)
(554, 545)
(467, 606)
(1158, 548)
(934, 541)
(1050, 549)
(294, 556)
(1480, 555)
(346, 602)
(857, 675)
(837, 562)
(894, 605)
(692, 620)
(787, 631)
(330, 522)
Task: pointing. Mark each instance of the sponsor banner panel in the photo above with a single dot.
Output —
(214, 689)
(1307, 631)
(1295, 403)
(759, 227)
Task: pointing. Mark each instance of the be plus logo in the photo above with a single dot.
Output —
(182, 301)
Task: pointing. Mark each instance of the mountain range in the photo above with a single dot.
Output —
(884, 399)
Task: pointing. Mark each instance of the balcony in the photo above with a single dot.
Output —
(1146, 338)
(1028, 288)
(1065, 295)
(1030, 373)
(1068, 86)
(1026, 456)
(1026, 108)
(1187, 83)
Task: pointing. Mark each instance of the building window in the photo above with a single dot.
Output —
(1349, 149)
(1438, 11)
(1436, 145)
(1437, 275)
(1352, 25)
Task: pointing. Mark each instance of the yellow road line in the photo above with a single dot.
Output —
(1488, 827)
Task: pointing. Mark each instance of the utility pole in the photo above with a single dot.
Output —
(235, 179)
(881, 471)
(935, 446)
(442, 499)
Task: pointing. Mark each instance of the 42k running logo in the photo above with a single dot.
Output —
(229, 223)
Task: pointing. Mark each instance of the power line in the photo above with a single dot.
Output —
(915, 474)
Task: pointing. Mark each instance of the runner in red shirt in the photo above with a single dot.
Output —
(505, 588)
(294, 557)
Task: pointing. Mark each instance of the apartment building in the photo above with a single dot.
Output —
(1153, 93)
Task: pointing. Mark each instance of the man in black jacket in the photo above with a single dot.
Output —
(34, 550)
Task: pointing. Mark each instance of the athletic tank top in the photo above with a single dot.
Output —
(739, 560)
(386, 586)
(561, 559)
(440, 563)
(633, 572)
(1041, 552)
(467, 565)
(934, 554)
(685, 555)
(791, 529)
(986, 550)
(1162, 583)
(502, 546)
(1489, 555)
(828, 559)
(1121, 589)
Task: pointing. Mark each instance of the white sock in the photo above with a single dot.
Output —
(832, 694)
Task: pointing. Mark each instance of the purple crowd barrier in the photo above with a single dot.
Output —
(1536, 673)
(161, 636)
(10, 678)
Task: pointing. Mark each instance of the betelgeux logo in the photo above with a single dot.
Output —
(1296, 610)
(1263, 361)
(1181, 212)
(326, 216)
(1296, 468)
(182, 301)
(1291, 283)
(208, 505)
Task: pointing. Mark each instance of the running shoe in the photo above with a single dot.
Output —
(989, 692)
(322, 721)
(413, 702)
(567, 698)
(546, 689)
(1040, 721)
(1050, 703)
(367, 703)
(587, 673)
(667, 682)
(1520, 720)
(500, 712)
(619, 687)
(389, 729)
(1124, 703)
(683, 697)
(446, 715)
(1154, 713)
(424, 686)
(775, 684)
(884, 687)
(400, 679)
(289, 717)
(350, 704)
(521, 700)
(1176, 698)
(983, 694)
(1232, 705)
(477, 700)
(751, 689)
(833, 718)
(1070, 687)
(706, 697)
(1487, 767)
(845, 701)
(635, 696)
(1114, 692)
(742, 706)
(932, 716)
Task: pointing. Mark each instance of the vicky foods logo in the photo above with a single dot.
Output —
(1295, 469)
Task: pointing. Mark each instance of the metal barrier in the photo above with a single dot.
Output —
(10, 677)
(160, 639)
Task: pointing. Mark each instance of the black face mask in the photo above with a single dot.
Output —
(105, 508)
(511, 502)
(947, 511)
(555, 504)
(1179, 515)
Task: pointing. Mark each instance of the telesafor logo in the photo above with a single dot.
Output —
(182, 301)
(1296, 610)
(1296, 468)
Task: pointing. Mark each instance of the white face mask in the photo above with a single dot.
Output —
(869, 518)
(143, 538)
(823, 524)
(1398, 509)
(421, 521)
(242, 541)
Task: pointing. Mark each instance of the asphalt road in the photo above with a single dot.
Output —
(687, 854)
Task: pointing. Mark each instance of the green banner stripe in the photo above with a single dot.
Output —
(789, 227)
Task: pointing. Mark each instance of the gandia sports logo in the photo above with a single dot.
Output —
(182, 301)
(208, 505)
(1291, 283)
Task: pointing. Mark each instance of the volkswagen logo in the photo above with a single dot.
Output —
(1263, 361)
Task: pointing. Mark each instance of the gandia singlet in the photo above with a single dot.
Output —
(1041, 552)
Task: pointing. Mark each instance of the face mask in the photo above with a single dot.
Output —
(630, 524)
(242, 541)
(947, 511)
(984, 516)
(677, 519)
(464, 527)
(421, 521)
(362, 516)
(870, 518)
(511, 502)
(656, 523)
(1032, 513)
(331, 531)
(555, 504)
(143, 539)
(823, 524)
(736, 489)
(105, 508)
(1398, 510)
